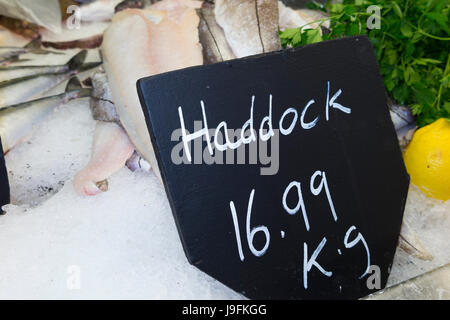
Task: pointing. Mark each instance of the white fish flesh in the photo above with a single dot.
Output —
(100, 10)
(111, 148)
(102, 105)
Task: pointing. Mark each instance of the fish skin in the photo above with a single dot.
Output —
(12, 92)
(100, 10)
(212, 37)
(404, 123)
(111, 148)
(250, 26)
(133, 4)
(8, 53)
(20, 27)
(15, 72)
(17, 121)
(12, 54)
(91, 42)
(165, 41)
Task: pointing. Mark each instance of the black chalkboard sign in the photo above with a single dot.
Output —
(318, 207)
(4, 183)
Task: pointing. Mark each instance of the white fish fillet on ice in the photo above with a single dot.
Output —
(137, 44)
(162, 41)
(111, 148)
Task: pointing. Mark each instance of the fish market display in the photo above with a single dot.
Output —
(32, 87)
(17, 121)
(143, 38)
(165, 40)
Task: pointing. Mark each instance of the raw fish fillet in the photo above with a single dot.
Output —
(111, 148)
(141, 43)
(290, 18)
(250, 26)
(45, 13)
(212, 37)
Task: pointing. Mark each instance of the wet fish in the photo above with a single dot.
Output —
(111, 148)
(44, 13)
(250, 26)
(11, 54)
(212, 37)
(32, 87)
(404, 123)
(15, 72)
(20, 27)
(290, 18)
(165, 40)
(91, 42)
(17, 121)
(102, 105)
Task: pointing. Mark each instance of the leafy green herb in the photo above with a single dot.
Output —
(412, 47)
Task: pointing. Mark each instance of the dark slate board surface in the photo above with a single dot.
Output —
(358, 152)
(4, 183)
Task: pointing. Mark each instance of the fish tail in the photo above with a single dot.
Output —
(77, 60)
(34, 44)
(74, 84)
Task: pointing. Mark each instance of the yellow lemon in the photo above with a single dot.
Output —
(427, 159)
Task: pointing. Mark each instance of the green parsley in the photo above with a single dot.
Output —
(412, 46)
